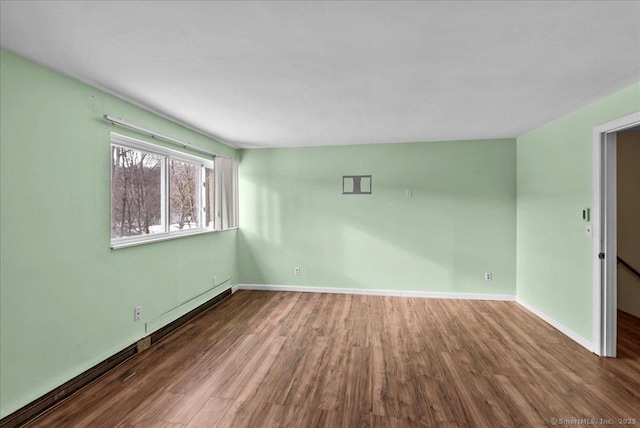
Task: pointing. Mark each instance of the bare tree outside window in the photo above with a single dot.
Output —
(135, 192)
(184, 188)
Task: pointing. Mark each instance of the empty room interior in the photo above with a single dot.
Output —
(319, 214)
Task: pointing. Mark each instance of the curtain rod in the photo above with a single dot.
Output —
(153, 134)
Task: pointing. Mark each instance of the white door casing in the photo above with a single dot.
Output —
(605, 233)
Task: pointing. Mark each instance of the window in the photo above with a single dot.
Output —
(184, 198)
(159, 193)
(136, 192)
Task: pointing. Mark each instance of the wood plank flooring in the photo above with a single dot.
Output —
(263, 359)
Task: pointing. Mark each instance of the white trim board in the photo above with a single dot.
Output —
(375, 292)
(556, 324)
(604, 233)
(426, 294)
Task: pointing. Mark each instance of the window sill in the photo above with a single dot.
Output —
(148, 239)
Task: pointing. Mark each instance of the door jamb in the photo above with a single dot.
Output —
(604, 233)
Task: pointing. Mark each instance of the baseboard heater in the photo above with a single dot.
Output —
(66, 390)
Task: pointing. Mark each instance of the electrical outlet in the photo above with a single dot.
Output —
(488, 276)
(137, 313)
(215, 281)
(296, 271)
(408, 193)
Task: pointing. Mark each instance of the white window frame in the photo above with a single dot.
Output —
(167, 155)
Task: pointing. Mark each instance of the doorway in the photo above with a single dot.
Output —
(605, 226)
(628, 240)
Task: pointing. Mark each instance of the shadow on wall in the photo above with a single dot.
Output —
(455, 227)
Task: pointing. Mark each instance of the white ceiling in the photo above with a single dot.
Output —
(271, 74)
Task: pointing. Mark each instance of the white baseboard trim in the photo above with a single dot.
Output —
(425, 294)
(375, 292)
(557, 325)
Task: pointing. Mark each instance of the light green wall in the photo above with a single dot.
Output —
(66, 299)
(459, 223)
(555, 170)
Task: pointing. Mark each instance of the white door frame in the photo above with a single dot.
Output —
(604, 233)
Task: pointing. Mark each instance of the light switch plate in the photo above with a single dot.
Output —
(588, 230)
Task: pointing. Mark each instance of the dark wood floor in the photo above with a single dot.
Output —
(305, 360)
